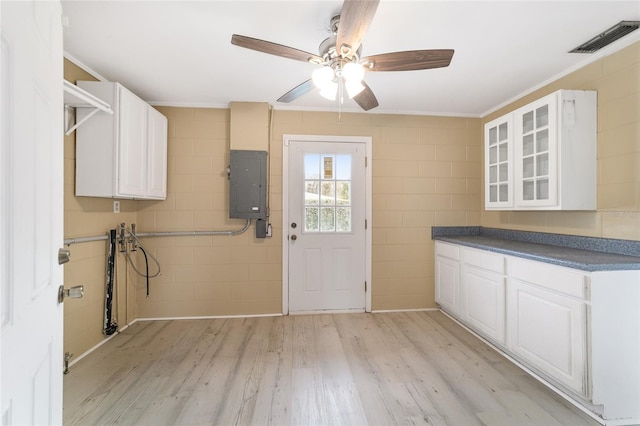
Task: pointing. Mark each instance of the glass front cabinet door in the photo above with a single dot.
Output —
(498, 154)
(543, 156)
(536, 174)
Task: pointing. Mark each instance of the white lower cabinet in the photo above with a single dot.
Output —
(483, 288)
(549, 331)
(547, 318)
(448, 277)
(578, 330)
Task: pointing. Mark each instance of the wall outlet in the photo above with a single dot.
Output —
(116, 206)
(269, 230)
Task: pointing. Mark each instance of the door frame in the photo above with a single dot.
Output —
(368, 143)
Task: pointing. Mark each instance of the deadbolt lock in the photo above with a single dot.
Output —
(72, 293)
(64, 255)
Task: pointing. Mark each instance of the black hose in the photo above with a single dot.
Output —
(110, 325)
(146, 261)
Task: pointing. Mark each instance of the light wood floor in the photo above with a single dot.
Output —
(350, 369)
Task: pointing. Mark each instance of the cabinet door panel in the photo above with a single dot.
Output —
(549, 331)
(132, 155)
(484, 302)
(448, 284)
(536, 152)
(157, 156)
(498, 141)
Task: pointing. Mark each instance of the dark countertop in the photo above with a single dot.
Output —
(584, 253)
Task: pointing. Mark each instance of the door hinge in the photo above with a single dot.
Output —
(365, 224)
(366, 163)
(365, 286)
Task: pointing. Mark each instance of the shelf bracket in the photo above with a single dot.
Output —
(79, 123)
(75, 97)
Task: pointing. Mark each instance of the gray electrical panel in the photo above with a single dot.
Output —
(248, 184)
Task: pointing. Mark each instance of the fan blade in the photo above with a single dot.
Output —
(355, 18)
(274, 49)
(366, 99)
(297, 91)
(408, 61)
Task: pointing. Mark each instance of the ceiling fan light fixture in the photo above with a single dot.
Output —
(353, 72)
(353, 87)
(329, 91)
(342, 65)
(323, 77)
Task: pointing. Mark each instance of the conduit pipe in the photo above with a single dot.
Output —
(69, 241)
(194, 233)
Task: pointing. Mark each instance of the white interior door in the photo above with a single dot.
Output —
(326, 226)
(31, 175)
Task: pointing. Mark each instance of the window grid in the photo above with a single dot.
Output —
(327, 193)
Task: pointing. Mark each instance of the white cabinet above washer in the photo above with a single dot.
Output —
(123, 155)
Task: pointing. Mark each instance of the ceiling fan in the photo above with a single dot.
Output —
(342, 67)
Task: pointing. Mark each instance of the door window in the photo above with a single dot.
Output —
(327, 196)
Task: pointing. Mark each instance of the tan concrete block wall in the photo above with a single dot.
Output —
(414, 185)
(204, 275)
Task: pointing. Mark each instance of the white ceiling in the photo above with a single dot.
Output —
(179, 52)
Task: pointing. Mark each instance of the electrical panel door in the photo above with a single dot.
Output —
(248, 184)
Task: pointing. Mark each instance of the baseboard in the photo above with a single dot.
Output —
(206, 317)
(329, 311)
(123, 328)
(93, 348)
(382, 311)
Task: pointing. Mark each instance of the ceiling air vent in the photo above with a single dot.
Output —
(609, 36)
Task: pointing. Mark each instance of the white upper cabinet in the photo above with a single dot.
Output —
(157, 155)
(549, 161)
(123, 155)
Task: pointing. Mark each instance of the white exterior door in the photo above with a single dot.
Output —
(31, 208)
(326, 226)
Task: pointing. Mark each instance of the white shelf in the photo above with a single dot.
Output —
(75, 97)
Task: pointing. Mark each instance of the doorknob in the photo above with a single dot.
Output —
(72, 293)
(293, 237)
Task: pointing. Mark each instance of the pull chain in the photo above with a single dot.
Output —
(340, 99)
